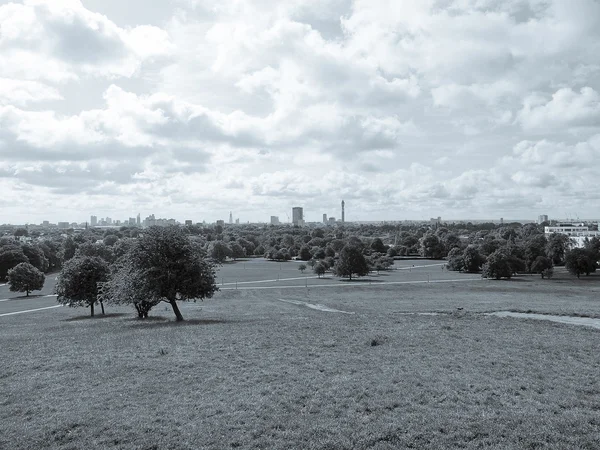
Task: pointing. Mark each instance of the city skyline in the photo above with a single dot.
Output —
(407, 110)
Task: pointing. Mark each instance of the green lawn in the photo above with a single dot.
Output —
(248, 371)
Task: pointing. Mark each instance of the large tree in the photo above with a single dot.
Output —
(579, 261)
(432, 247)
(497, 266)
(219, 251)
(557, 246)
(173, 267)
(25, 277)
(79, 281)
(351, 262)
(472, 259)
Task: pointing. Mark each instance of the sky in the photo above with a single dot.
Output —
(405, 109)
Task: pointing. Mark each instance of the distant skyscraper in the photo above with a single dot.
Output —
(324, 218)
(343, 212)
(298, 215)
(93, 221)
(542, 218)
(274, 220)
(139, 221)
(230, 217)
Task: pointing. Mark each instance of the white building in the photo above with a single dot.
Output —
(578, 232)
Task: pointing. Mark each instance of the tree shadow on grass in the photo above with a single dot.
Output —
(360, 280)
(160, 322)
(96, 317)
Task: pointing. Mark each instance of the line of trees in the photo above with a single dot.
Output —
(161, 265)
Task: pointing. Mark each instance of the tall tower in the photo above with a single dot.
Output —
(343, 212)
(230, 217)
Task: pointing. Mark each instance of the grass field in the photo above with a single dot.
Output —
(249, 369)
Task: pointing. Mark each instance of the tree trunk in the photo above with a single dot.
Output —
(92, 309)
(176, 310)
(102, 306)
(27, 295)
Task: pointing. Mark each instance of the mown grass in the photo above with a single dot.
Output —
(248, 371)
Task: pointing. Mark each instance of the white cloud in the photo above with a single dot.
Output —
(418, 108)
(22, 92)
(565, 108)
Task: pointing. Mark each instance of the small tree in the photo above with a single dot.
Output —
(24, 277)
(79, 281)
(320, 268)
(302, 267)
(127, 285)
(351, 262)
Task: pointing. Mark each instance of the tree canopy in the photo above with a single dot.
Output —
(25, 277)
(79, 281)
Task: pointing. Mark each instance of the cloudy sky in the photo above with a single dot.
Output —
(406, 109)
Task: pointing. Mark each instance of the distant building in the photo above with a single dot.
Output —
(188, 223)
(331, 221)
(132, 221)
(343, 211)
(324, 218)
(577, 232)
(221, 223)
(298, 216)
(237, 221)
(501, 220)
(434, 221)
(139, 222)
(542, 218)
(108, 221)
(63, 225)
(274, 220)
(45, 223)
(93, 221)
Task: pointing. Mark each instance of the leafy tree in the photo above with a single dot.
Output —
(541, 265)
(497, 266)
(579, 261)
(318, 253)
(25, 277)
(304, 253)
(100, 250)
(36, 256)
(302, 267)
(79, 281)
(535, 246)
(472, 259)
(378, 246)
(127, 285)
(237, 251)
(431, 247)
(110, 240)
(52, 252)
(21, 232)
(172, 267)
(69, 248)
(351, 262)
(392, 252)
(558, 244)
(320, 268)
(9, 257)
(219, 251)
(455, 260)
